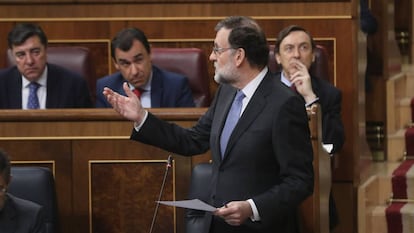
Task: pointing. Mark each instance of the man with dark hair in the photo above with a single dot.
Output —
(35, 84)
(294, 51)
(257, 131)
(17, 215)
(131, 55)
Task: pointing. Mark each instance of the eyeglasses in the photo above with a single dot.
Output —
(218, 51)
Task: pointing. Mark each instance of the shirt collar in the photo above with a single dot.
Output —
(284, 79)
(251, 87)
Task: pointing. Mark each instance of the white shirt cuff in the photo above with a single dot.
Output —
(312, 102)
(137, 126)
(255, 216)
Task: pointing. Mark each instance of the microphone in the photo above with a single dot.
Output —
(167, 168)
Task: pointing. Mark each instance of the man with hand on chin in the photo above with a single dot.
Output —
(294, 51)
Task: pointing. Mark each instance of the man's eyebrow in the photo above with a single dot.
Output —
(139, 55)
(300, 44)
(35, 48)
(123, 60)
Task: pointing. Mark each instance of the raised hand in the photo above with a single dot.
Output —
(299, 75)
(127, 106)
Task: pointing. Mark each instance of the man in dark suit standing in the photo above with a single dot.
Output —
(262, 170)
(17, 215)
(294, 51)
(35, 84)
(131, 55)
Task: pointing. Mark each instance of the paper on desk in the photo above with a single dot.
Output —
(195, 204)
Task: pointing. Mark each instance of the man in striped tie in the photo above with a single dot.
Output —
(33, 83)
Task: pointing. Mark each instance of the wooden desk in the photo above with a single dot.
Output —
(104, 181)
(108, 183)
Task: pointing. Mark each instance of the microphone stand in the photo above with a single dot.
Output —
(167, 168)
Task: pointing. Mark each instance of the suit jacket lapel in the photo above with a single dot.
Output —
(119, 84)
(315, 86)
(14, 89)
(156, 89)
(8, 221)
(254, 107)
(15, 92)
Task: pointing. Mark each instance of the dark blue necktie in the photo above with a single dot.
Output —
(231, 121)
(33, 100)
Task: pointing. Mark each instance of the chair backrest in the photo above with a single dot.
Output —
(191, 62)
(74, 58)
(200, 178)
(36, 184)
(319, 67)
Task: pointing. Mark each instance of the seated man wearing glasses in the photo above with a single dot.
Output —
(17, 215)
(131, 54)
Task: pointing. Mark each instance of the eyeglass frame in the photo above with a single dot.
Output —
(218, 51)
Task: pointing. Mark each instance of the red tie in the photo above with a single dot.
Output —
(137, 92)
(293, 87)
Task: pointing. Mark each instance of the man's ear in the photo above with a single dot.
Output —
(277, 58)
(240, 56)
(115, 64)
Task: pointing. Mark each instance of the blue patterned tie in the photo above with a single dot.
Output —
(231, 121)
(33, 101)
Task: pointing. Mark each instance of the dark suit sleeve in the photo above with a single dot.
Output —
(174, 138)
(100, 101)
(332, 126)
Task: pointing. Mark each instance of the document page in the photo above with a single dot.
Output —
(195, 204)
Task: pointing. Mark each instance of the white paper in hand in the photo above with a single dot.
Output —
(195, 204)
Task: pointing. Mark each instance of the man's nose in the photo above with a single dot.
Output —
(212, 56)
(296, 52)
(134, 69)
(29, 59)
